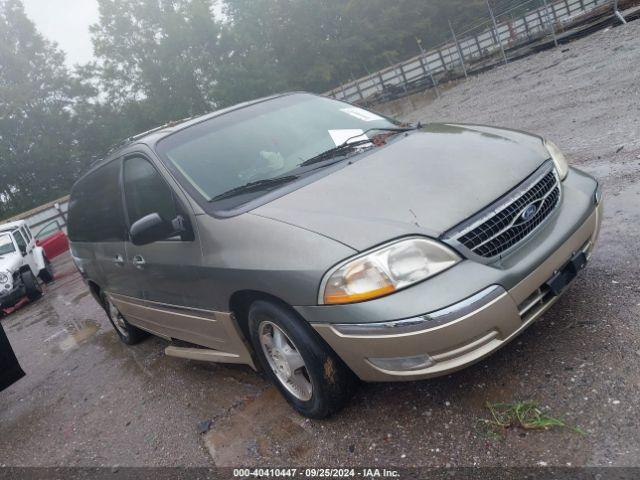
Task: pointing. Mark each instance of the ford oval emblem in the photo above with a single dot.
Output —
(529, 212)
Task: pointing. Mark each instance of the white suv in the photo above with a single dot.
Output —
(22, 262)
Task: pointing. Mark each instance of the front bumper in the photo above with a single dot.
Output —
(489, 317)
(11, 297)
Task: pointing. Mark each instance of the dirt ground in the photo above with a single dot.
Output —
(90, 400)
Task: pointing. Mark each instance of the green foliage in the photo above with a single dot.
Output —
(36, 97)
(164, 53)
(318, 44)
(520, 415)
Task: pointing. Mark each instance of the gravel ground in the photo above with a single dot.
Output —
(89, 400)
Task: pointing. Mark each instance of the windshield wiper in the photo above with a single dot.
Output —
(341, 149)
(347, 146)
(255, 186)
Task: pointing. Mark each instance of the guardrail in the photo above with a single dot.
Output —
(492, 39)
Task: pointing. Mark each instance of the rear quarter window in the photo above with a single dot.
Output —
(95, 206)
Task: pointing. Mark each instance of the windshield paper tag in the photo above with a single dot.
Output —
(361, 114)
(341, 136)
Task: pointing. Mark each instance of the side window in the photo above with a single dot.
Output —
(25, 233)
(19, 238)
(95, 207)
(48, 230)
(146, 191)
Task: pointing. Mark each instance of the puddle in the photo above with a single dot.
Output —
(263, 428)
(77, 333)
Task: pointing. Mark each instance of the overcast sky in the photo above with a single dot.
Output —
(67, 23)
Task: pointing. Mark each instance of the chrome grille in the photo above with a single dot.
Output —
(501, 226)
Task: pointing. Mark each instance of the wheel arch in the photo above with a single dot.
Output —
(26, 268)
(96, 291)
(240, 302)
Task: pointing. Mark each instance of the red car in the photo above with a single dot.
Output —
(52, 239)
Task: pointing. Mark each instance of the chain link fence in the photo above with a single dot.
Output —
(502, 36)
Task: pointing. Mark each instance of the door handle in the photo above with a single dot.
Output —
(118, 260)
(139, 261)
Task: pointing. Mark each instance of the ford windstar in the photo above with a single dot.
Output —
(324, 243)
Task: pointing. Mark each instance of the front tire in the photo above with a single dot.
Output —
(32, 287)
(127, 333)
(307, 372)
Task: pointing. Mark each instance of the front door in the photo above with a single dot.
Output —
(26, 248)
(162, 273)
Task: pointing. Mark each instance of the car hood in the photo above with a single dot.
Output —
(423, 183)
(10, 262)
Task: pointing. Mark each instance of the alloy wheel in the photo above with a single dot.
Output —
(285, 361)
(117, 318)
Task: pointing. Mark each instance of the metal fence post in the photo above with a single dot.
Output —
(343, 91)
(442, 61)
(460, 54)
(357, 84)
(526, 26)
(495, 27)
(404, 85)
(404, 76)
(424, 61)
(477, 40)
(617, 13)
(60, 214)
(553, 25)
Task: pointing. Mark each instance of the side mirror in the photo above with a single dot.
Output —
(150, 228)
(23, 251)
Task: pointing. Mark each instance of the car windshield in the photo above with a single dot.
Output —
(6, 244)
(271, 139)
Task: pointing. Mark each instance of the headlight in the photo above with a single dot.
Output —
(4, 278)
(558, 158)
(385, 270)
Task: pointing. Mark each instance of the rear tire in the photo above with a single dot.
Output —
(127, 333)
(307, 372)
(33, 288)
(46, 274)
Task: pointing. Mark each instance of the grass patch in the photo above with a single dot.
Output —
(522, 416)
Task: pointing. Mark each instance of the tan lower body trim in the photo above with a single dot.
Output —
(218, 331)
(203, 354)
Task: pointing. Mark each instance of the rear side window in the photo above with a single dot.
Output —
(95, 207)
(26, 233)
(146, 191)
(48, 230)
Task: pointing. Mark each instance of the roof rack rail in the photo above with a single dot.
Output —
(138, 136)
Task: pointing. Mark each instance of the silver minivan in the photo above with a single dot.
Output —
(325, 243)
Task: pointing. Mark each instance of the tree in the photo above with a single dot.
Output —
(162, 60)
(161, 53)
(316, 45)
(36, 96)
